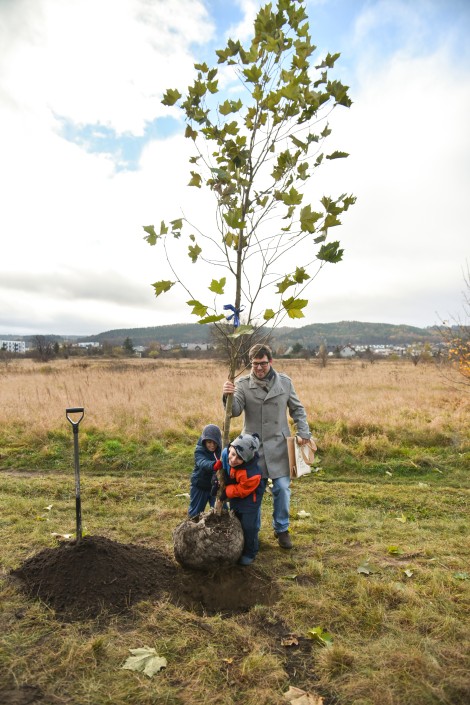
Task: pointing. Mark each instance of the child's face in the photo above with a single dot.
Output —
(210, 445)
(233, 458)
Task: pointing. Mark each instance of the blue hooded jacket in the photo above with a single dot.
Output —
(204, 460)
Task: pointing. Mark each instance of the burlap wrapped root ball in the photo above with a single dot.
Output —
(208, 541)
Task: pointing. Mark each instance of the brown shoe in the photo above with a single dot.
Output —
(283, 539)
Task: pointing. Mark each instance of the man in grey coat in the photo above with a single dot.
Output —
(265, 396)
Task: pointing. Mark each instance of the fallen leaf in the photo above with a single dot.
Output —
(227, 660)
(321, 636)
(146, 660)
(302, 514)
(290, 640)
(422, 484)
(401, 518)
(49, 507)
(408, 573)
(184, 494)
(62, 537)
(365, 569)
(387, 472)
(290, 577)
(461, 576)
(393, 550)
(296, 696)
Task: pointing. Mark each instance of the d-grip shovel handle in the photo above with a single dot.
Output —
(75, 410)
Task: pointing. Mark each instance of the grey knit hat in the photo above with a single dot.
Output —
(246, 446)
(211, 432)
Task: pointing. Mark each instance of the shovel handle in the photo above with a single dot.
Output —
(75, 410)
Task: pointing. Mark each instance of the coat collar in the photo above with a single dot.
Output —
(275, 390)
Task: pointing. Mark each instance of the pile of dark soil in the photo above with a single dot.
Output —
(97, 575)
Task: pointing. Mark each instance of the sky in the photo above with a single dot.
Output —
(88, 155)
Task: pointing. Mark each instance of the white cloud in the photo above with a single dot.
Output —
(99, 61)
(75, 259)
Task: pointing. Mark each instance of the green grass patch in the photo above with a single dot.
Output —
(381, 562)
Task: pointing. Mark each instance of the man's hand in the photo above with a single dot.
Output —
(228, 388)
(302, 441)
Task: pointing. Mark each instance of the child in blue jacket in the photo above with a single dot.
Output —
(244, 489)
(206, 454)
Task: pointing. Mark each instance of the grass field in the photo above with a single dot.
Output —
(382, 561)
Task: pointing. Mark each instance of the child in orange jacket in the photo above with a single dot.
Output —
(244, 489)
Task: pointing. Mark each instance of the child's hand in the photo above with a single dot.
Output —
(217, 465)
(214, 486)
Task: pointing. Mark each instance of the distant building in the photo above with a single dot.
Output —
(88, 345)
(199, 346)
(347, 351)
(13, 346)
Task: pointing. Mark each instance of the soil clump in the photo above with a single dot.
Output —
(208, 541)
(99, 576)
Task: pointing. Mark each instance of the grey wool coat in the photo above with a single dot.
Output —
(266, 414)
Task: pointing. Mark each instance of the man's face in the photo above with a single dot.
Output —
(260, 366)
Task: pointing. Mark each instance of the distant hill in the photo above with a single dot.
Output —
(310, 336)
(357, 333)
(176, 333)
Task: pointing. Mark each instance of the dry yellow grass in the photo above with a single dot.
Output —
(144, 398)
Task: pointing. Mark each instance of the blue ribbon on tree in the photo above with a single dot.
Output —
(235, 315)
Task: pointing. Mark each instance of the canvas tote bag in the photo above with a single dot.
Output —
(301, 457)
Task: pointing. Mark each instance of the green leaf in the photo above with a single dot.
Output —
(330, 252)
(268, 314)
(294, 307)
(195, 179)
(394, 550)
(285, 284)
(146, 660)
(337, 155)
(162, 286)
(300, 275)
(230, 106)
(321, 636)
(308, 218)
(241, 330)
(189, 132)
(218, 286)
(292, 198)
(152, 236)
(253, 73)
(170, 97)
(198, 308)
(212, 319)
(329, 61)
(194, 252)
(176, 224)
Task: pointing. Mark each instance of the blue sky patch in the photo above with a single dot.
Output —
(124, 149)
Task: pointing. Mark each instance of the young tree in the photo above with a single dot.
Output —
(256, 151)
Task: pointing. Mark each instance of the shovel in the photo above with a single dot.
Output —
(78, 503)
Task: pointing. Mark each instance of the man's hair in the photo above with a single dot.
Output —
(259, 350)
